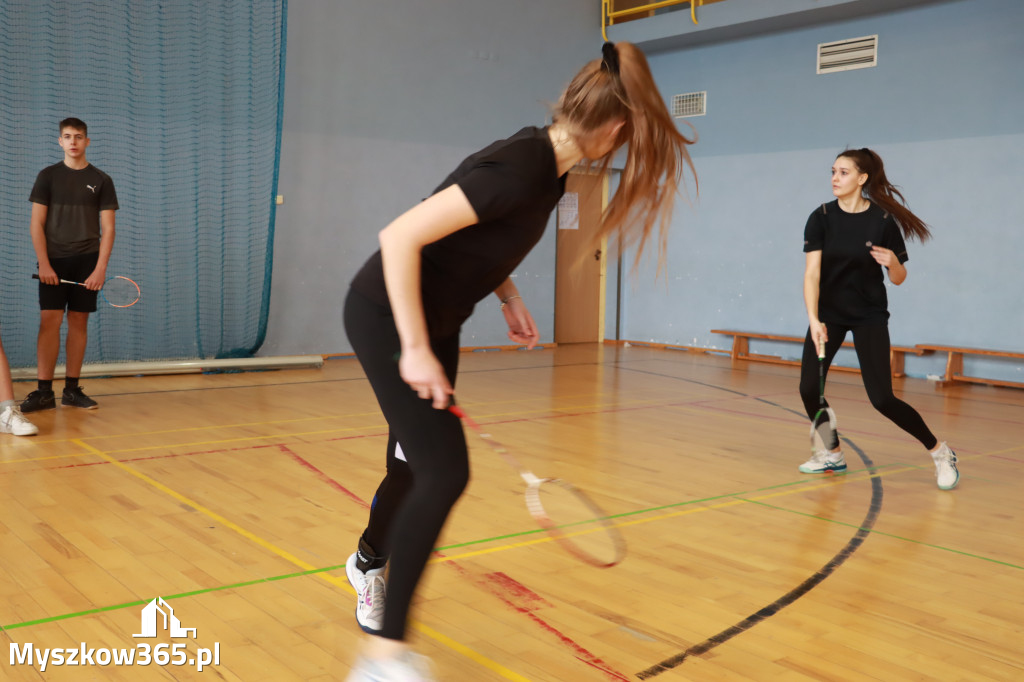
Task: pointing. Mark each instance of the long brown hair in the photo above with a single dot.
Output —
(621, 86)
(885, 194)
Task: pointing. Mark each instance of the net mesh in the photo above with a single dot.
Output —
(183, 103)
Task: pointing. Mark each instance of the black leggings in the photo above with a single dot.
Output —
(872, 346)
(416, 495)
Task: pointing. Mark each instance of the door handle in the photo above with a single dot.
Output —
(597, 255)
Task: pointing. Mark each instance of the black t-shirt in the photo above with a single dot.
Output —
(512, 185)
(74, 199)
(851, 291)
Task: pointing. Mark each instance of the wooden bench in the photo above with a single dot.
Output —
(741, 350)
(955, 364)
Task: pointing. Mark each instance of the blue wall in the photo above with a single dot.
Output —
(383, 99)
(942, 108)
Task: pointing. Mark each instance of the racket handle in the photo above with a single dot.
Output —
(63, 281)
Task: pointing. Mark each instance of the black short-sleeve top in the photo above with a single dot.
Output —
(513, 186)
(74, 199)
(851, 291)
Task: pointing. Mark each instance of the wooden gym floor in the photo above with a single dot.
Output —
(237, 498)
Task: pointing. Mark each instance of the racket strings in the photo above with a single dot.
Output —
(825, 434)
(120, 291)
(576, 522)
(569, 516)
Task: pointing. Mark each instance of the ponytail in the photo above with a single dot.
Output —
(885, 194)
(621, 86)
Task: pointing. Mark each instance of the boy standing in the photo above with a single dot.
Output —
(73, 205)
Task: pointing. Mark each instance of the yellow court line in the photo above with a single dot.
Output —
(44, 459)
(475, 656)
(170, 446)
(290, 434)
(696, 411)
(297, 434)
(239, 425)
(195, 505)
(348, 415)
(847, 478)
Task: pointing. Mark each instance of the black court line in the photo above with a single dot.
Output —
(785, 600)
(874, 508)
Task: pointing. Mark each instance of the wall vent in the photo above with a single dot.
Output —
(689, 104)
(845, 55)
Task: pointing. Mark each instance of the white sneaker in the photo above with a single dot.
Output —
(824, 461)
(408, 667)
(370, 591)
(13, 421)
(946, 474)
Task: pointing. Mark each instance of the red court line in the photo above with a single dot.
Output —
(151, 457)
(510, 592)
(702, 404)
(322, 476)
(941, 413)
(842, 431)
(1008, 459)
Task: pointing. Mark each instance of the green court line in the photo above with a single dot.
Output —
(740, 496)
(446, 548)
(649, 510)
(192, 593)
(884, 534)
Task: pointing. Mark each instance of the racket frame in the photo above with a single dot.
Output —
(823, 433)
(536, 507)
(138, 290)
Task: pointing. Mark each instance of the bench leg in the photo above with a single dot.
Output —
(740, 348)
(896, 362)
(954, 366)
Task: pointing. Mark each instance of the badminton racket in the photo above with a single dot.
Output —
(823, 426)
(564, 511)
(118, 291)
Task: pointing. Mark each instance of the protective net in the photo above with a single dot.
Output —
(183, 101)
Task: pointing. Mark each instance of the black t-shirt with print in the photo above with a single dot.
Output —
(512, 185)
(851, 291)
(74, 199)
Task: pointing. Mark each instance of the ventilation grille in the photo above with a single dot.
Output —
(844, 55)
(689, 104)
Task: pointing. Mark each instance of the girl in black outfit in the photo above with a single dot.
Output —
(846, 242)
(435, 263)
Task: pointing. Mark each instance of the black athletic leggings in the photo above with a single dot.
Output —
(872, 346)
(417, 493)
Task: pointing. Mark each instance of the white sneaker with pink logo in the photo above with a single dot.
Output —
(370, 590)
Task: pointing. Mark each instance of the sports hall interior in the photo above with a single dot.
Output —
(231, 464)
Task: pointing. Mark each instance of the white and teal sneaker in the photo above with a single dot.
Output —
(823, 461)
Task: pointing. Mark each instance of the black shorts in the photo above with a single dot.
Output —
(73, 297)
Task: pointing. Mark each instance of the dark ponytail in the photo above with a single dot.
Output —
(885, 194)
